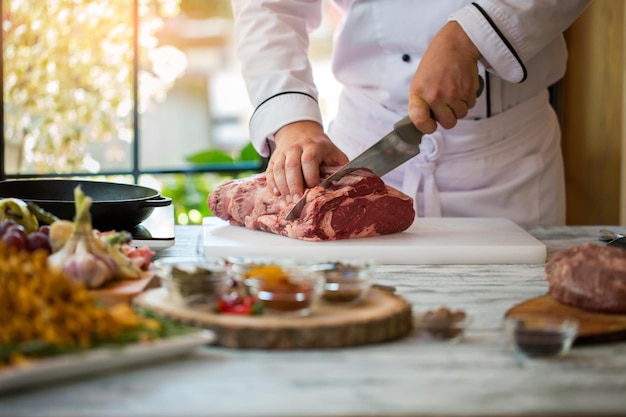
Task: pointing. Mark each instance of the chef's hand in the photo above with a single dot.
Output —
(301, 148)
(444, 86)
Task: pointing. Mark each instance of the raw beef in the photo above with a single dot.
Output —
(590, 276)
(358, 205)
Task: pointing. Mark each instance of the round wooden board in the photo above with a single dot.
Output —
(593, 327)
(382, 316)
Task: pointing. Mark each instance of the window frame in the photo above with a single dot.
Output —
(135, 170)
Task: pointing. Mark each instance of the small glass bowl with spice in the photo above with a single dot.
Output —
(445, 324)
(346, 281)
(284, 290)
(238, 267)
(536, 335)
(239, 297)
(193, 282)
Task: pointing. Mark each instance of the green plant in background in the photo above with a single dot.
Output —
(189, 192)
(246, 156)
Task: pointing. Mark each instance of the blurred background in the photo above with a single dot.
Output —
(149, 92)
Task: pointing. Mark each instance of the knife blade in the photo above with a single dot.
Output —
(395, 148)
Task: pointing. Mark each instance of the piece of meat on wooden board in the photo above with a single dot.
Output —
(590, 276)
(358, 205)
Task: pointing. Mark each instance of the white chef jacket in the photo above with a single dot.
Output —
(490, 164)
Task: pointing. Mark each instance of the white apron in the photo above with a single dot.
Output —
(512, 169)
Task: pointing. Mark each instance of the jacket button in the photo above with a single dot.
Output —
(406, 57)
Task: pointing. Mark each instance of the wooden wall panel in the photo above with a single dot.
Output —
(622, 188)
(592, 113)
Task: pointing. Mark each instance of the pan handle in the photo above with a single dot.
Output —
(157, 201)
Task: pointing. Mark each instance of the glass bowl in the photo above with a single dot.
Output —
(284, 290)
(239, 293)
(346, 281)
(239, 267)
(540, 335)
(194, 282)
(445, 324)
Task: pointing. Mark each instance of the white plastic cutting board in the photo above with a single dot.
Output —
(427, 241)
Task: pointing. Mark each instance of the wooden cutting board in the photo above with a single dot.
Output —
(427, 241)
(116, 292)
(382, 316)
(593, 328)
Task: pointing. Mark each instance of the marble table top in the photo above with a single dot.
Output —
(414, 376)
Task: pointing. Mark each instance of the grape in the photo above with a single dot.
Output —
(13, 234)
(14, 238)
(5, 225)
(16, 229)
(38, 240)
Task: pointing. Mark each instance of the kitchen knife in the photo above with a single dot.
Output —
(395, 148)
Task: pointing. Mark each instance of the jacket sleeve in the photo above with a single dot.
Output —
(508, 33)
(271, 42)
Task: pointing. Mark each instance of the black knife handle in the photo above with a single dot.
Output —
(481, 86)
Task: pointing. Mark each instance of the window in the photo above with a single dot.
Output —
(118, 89)
(146, 91)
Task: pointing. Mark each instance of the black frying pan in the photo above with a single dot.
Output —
(115, 206)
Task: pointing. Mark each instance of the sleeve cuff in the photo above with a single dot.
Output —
(497, 52)
(277, 112)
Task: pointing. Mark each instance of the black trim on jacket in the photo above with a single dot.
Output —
(504, 39)
(488, 92)
(267, 141)
(280, 94)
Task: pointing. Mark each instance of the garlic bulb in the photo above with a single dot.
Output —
(87, 258)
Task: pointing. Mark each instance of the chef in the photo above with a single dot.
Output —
(496, 155)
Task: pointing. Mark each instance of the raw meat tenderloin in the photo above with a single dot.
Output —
(358, 205)
(590, 276)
